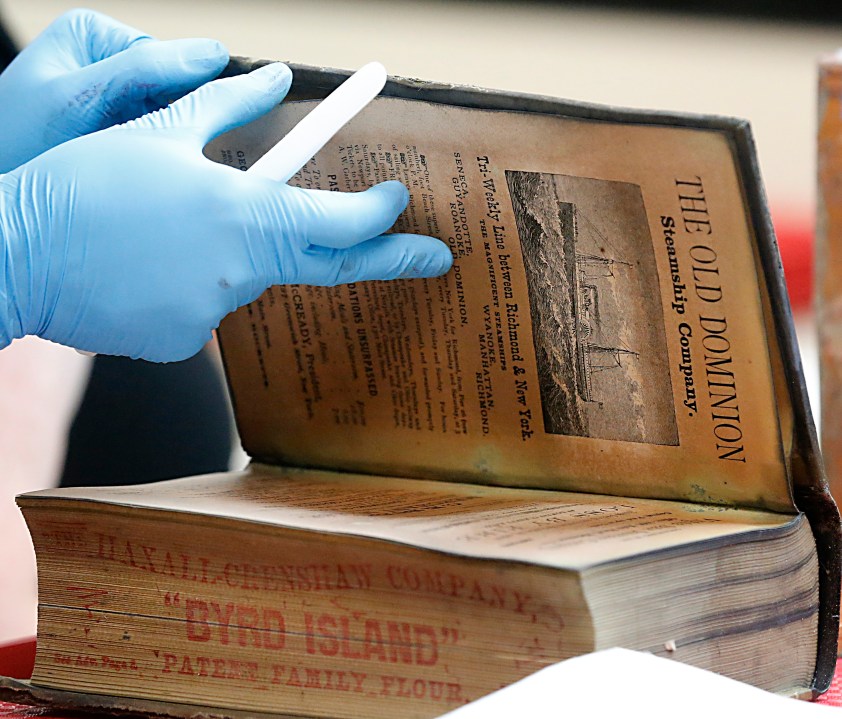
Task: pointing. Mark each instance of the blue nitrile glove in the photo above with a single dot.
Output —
(131, 242)
(86, 72)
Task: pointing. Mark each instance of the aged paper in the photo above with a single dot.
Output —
(562, 530)
(602, 329)
(323, 588)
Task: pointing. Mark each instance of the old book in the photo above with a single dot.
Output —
(592, 432)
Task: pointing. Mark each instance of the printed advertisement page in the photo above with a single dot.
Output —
(601, 330)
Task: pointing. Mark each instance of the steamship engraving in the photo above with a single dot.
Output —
(584, 273)
(597, 318)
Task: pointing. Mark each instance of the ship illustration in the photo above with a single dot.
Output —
(593, 352)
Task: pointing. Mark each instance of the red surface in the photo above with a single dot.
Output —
(833, 697)
(16, 660)
(795, 241)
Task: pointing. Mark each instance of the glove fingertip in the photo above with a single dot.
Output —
(395, 191)
(202, 57)
(207, 49)
(429, 264)
(277, 74)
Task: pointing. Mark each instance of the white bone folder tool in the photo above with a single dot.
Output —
(313, 131)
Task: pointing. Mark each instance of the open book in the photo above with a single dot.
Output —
(592, 432)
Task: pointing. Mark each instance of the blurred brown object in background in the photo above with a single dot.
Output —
(829, 265)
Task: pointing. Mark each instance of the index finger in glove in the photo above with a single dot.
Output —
(345, 219)
(388, 257)
(224, 104)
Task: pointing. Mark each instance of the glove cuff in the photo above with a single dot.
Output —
(11, 324)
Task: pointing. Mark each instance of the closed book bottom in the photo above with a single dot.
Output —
(248, 591)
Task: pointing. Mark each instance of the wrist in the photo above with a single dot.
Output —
(11, 319)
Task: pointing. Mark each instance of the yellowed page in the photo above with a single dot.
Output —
(259, 590)
(340, 626)
(556, 529)
(602, 329)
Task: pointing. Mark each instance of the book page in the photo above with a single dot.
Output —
(602, 329)
(557, 529)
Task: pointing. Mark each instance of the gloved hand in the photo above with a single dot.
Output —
(86, 72)
(131, 242)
